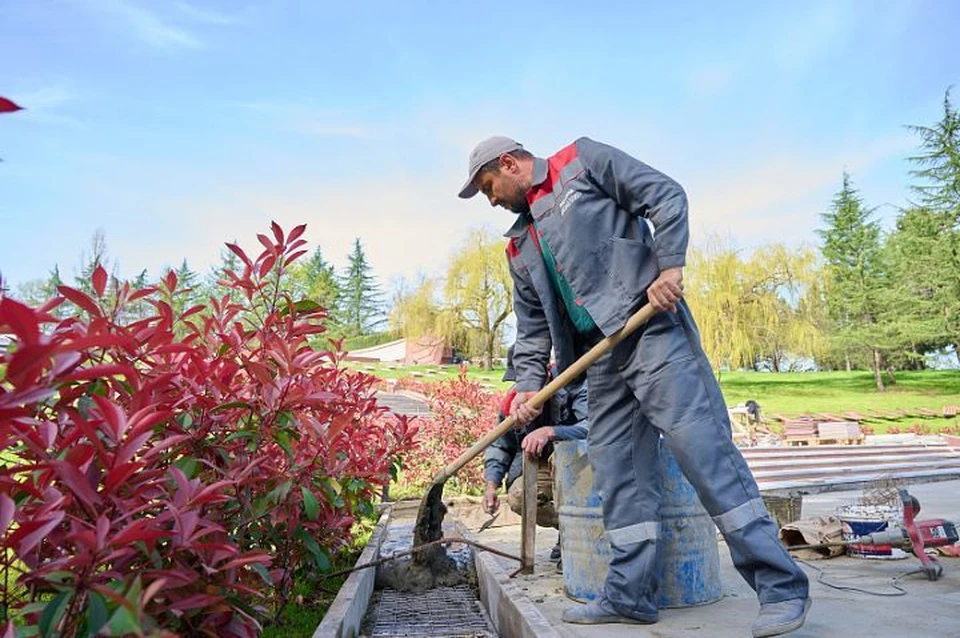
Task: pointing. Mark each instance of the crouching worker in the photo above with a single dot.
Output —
(564, 420)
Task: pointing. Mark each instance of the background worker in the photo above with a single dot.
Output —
(565, 420)
(598, 234)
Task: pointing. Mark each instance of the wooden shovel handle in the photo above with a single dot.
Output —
(577, 368)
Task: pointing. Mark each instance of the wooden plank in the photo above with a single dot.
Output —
(528, 526)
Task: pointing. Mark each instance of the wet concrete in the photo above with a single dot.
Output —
(927, 609)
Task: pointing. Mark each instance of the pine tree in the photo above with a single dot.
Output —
(938, 163)
(228, 261)
(938, 190)
(857, 303)
(189, 288)
(316, 280)
(361, 296)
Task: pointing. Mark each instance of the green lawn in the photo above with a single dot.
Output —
(802, 392)
(785, 393)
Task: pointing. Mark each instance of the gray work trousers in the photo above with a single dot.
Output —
(659, 382)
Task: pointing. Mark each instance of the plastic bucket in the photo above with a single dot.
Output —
(860, 520)
(690, 559)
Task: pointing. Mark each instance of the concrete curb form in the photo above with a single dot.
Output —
(346, 614)
(512, 613)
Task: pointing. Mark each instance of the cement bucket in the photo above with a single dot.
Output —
(688, 539)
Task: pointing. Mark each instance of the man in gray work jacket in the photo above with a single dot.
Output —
(599, 233)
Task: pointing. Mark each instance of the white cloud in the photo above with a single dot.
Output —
(146, 25)
(205, 16)
(45, 106)
(778, 195)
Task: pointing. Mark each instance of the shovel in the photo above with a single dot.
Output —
(430, 515)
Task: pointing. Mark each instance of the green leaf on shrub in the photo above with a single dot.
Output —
(279, 493)
(263, 573)
(59, 577)
(53, 614)
(365, 508)
(123, 622)
(319, 556)
(282, 437)
(310, 504)
(187, 465)
(97, 614)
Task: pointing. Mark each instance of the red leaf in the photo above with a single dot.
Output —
(192, 311)
(7, 509)
(138, 530)
(20, 318)
(143, 292)
(114, 416)
(277, 231)
(100, 371)
(262, 558)
(119, 474)
(9, 106)
(81, 300)
(211, 494)
(75, 482)
(294, 256)
(296, 232)
(31, 532)
(170, 280)
(266, 243)
(236, 250)
(99, 280)
(50, 304)
(267, 264)
(196, 601)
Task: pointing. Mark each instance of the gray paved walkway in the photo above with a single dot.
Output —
(927, 610)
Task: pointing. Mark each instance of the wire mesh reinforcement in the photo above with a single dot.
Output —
(444, 612)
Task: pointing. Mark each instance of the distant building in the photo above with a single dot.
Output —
(426, 350)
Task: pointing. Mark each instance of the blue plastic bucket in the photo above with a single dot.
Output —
(688, 538)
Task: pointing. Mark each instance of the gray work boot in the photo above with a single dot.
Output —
(779, 618)
(599, 612)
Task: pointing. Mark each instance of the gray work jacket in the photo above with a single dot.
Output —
(587, 200)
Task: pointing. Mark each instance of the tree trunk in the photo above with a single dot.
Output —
(776, 361)
(488, 351)
(876, 371)
(891, 380)
(846, 358)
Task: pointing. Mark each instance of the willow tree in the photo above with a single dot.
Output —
(783, 288)
(479, 292)
(761, 309)
(415, 313)
(714, 291)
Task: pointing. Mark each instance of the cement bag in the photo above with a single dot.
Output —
(812, 531)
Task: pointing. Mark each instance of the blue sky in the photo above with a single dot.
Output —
(177, 125)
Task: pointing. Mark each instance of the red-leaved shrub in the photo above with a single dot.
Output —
(461, 413)
(172, 474)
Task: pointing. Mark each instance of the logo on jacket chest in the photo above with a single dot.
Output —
(567, 200)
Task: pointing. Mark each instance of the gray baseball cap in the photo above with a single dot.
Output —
(489, 149)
